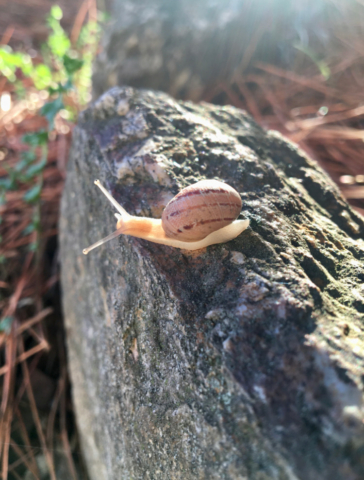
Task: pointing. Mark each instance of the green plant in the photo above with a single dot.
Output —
(64, 75)
(321, 64)
(47, 93)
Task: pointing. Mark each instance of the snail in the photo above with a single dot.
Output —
(200, 215)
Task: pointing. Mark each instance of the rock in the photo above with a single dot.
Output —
(186, 47)
(240, 361)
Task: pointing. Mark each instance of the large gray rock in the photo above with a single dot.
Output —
(183, 47)
(241, 361)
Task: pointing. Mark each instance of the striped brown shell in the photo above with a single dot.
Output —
(200, 209)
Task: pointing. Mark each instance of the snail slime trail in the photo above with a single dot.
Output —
(200, 215)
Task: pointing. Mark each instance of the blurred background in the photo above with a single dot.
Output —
(296, 67)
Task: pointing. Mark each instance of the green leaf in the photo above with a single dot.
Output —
(20, 166)
(10, 59)
(56, 91)
(61, 88)
(26, 159)
(50, 110)
(33, 225)
(29, 229)
(6, 183)
(35, 169)
(42, 76)
(321, 64)
(36, 139)
(89, 34)
(72, 64)
(56, 12)
(33, 194)
(68, 85)
(9, 62)
(5, 324)
(59, 43)
(324, 69)
(29, 156)
(27, 64)
(34, 246)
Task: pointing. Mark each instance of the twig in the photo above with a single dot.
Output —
(32, 321)
(306, 82)
(35, 415)
(19, 288)
(7, 35)
(25, 355)
(26, 439)
(52, 414)
(353, 192)
(23, 459)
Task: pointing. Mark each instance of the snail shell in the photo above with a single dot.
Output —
(200, 209)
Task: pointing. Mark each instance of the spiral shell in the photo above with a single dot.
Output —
(199, 209)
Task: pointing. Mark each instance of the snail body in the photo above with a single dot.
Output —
(200, 215)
